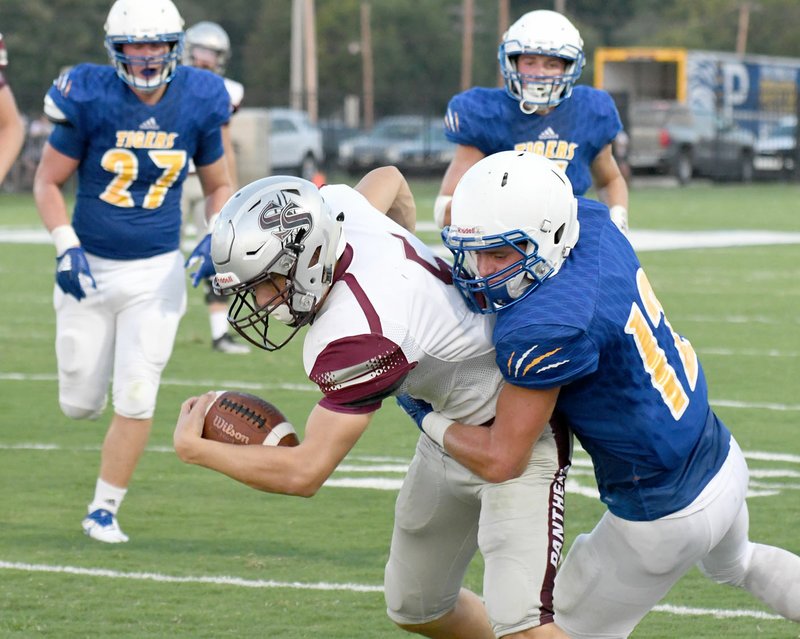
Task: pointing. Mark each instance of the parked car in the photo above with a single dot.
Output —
(668, 137)
(776, 152)
(413, 143)
(295, 144)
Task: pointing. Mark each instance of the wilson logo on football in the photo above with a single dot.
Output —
(227, 428)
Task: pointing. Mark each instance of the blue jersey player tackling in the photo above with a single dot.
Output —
(582, 340)
(539, 110)
(129, 130)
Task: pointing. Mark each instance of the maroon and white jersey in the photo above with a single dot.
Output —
(393, 323)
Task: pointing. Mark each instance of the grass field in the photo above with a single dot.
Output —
(212, 558)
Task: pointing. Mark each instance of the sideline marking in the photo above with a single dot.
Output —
(297, 585)
(642, 240)
(310, 388)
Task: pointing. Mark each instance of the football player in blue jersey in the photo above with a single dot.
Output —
(540, 110)
(129, 130)
(582, 341)
(12, 128)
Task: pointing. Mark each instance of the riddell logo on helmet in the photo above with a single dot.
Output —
(226, 279)
(227, 428)
(467, 230)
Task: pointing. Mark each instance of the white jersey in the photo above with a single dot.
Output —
(393, 323)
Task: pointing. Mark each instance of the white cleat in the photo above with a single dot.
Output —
(101, 525)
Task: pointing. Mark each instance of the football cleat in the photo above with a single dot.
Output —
(226, 344)
(102, 525)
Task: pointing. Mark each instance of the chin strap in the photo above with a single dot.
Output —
(330, 255)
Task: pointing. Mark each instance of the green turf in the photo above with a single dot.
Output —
(738, 306)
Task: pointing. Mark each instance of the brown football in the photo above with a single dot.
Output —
(241, 418)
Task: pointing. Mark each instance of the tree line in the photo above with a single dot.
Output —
(416, 43)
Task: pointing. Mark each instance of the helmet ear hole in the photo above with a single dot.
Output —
(559, 234)
(315, 257)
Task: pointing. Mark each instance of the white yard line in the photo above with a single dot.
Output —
(641, 240)
(225, 580)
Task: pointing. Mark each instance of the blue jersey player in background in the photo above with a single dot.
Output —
(129, 130)
(539, 110)
(581, 339)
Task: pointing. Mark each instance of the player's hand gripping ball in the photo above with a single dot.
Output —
(241, 418)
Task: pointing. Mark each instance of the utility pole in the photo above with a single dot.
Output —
(310, 33)
(560, 6)
(296, 62)
(468, 16)
(502, 27)
(744, 23)
(367, 71)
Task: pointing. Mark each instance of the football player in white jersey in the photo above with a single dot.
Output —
(12, 129)
(386, 321)
(208, 46)
(128, 129)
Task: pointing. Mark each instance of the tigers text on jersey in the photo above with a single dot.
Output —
(572, 134)
(632, 389)
(134, 156)
(394, 323)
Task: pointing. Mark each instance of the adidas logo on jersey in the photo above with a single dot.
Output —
(548, 134)
(149, 124)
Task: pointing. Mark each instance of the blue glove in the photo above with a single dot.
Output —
(202, 257)
(417, 409)
(71, 266)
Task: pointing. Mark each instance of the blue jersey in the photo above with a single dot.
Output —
(133, 156)
(632, 389)
(572, 134)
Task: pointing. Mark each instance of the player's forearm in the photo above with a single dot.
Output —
(387, 190)
(216, 199)
(12, 135)
(51, 204)
(12, 131)
(615, 192)
(279, 470)
(486, 454)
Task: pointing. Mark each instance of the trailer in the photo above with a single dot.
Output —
(748, 97)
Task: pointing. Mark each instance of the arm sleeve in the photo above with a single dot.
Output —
(358, 372)
(549, 357)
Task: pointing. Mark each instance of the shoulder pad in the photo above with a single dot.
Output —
(53, 113)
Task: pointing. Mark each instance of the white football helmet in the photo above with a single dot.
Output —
(510, 199)
(541, 33)
(207, 46)
(134, 21)
(275, 226)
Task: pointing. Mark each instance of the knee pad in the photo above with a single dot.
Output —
(136, 399)
(76, 412)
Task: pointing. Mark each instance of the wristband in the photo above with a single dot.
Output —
(211, 222)
(440, 209)
(435, 425)
(64, 238)
(619, 215)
